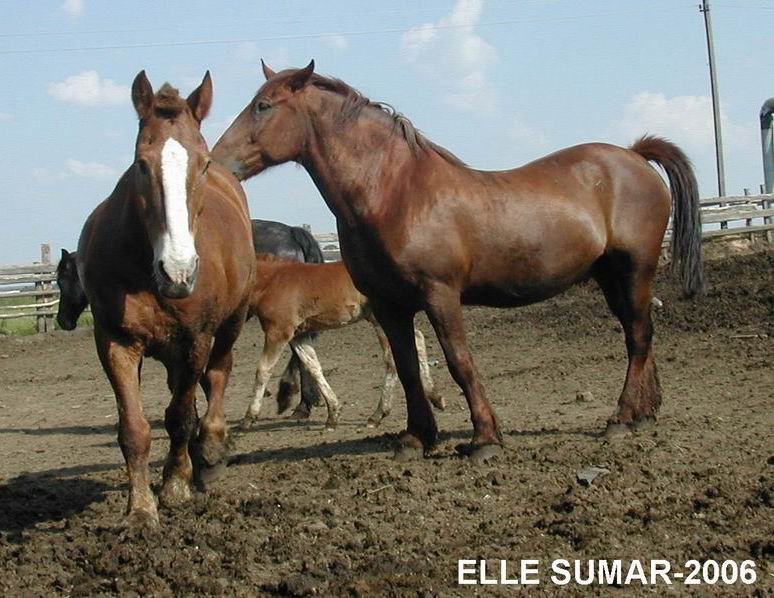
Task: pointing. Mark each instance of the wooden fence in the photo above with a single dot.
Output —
(35, 284)
(743, 215)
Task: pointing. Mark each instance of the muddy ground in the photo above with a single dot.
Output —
(303, 511)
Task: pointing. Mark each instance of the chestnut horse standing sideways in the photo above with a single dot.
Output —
(167, 263)
(419, 230)
(292, 299)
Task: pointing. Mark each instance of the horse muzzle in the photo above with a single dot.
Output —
(181, 283)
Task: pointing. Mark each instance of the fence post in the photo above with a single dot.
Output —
(765, 204)
(45, 323)
(748, 221)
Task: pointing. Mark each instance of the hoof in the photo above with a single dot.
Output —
(645, 424)
(331, 424)
(139, 519)
(299, 414)
(617, 431)
(373, 422)
(408, 447)
(174, 492)
(438, 402)
(408, 453)
(206, 474)
(247, 423)
(480, 454)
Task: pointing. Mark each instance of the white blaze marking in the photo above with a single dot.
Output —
(176, 246)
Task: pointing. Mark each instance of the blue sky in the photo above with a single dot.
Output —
(499, 82)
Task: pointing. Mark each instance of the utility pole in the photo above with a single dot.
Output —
(705, 8)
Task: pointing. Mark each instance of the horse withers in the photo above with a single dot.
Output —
(423, 231)
(167, 264)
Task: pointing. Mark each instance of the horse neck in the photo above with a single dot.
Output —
(349, 162)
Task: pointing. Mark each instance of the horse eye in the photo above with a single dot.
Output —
(263, 105)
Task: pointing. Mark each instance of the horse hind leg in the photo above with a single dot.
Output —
(390, 382)
(627, 289)
(308, 356)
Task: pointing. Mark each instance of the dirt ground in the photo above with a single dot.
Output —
(303, 511)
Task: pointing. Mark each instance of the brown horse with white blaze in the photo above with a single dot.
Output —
(420, 230)
(167, 263)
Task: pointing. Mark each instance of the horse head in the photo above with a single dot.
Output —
(171, 162)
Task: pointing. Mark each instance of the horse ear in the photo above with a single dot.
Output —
(200, 100)
(301, 77)
(64, 253)
(142, 94)
(267, 72)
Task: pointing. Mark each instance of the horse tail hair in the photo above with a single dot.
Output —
(309, 245)
(686, 216)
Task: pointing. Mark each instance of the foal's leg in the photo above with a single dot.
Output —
(122, 365)
(308, 356)
(181, 420)
(391, 376)
(273, 343)
(435, 397)
(628, 294)
(390, 379)
(209, 448)
(445, 314)
(421, 431)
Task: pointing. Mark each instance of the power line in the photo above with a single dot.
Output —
(309, 35)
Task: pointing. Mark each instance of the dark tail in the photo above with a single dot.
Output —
(686, 217)
(309, 245)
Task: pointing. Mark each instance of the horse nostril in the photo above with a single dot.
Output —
(163, 272)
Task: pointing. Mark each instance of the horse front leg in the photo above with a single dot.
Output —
(445, 313)
(421, 431)
(181, 421)
(273, 343)
(122, 365)
(210, 446)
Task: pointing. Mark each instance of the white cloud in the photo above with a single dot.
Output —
(74, 8)
(88, 89)
(336, 41)
(452, 53)
(686, 120)
(91, 170)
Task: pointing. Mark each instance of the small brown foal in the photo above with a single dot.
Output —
(292, 297)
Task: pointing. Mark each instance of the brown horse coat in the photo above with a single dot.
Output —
(420, 230)
(290, 298)
(167, 264)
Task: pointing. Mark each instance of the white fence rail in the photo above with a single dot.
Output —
(745, 215)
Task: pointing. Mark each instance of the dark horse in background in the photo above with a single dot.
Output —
(276, 238)
(420, 230)
(167, 264)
